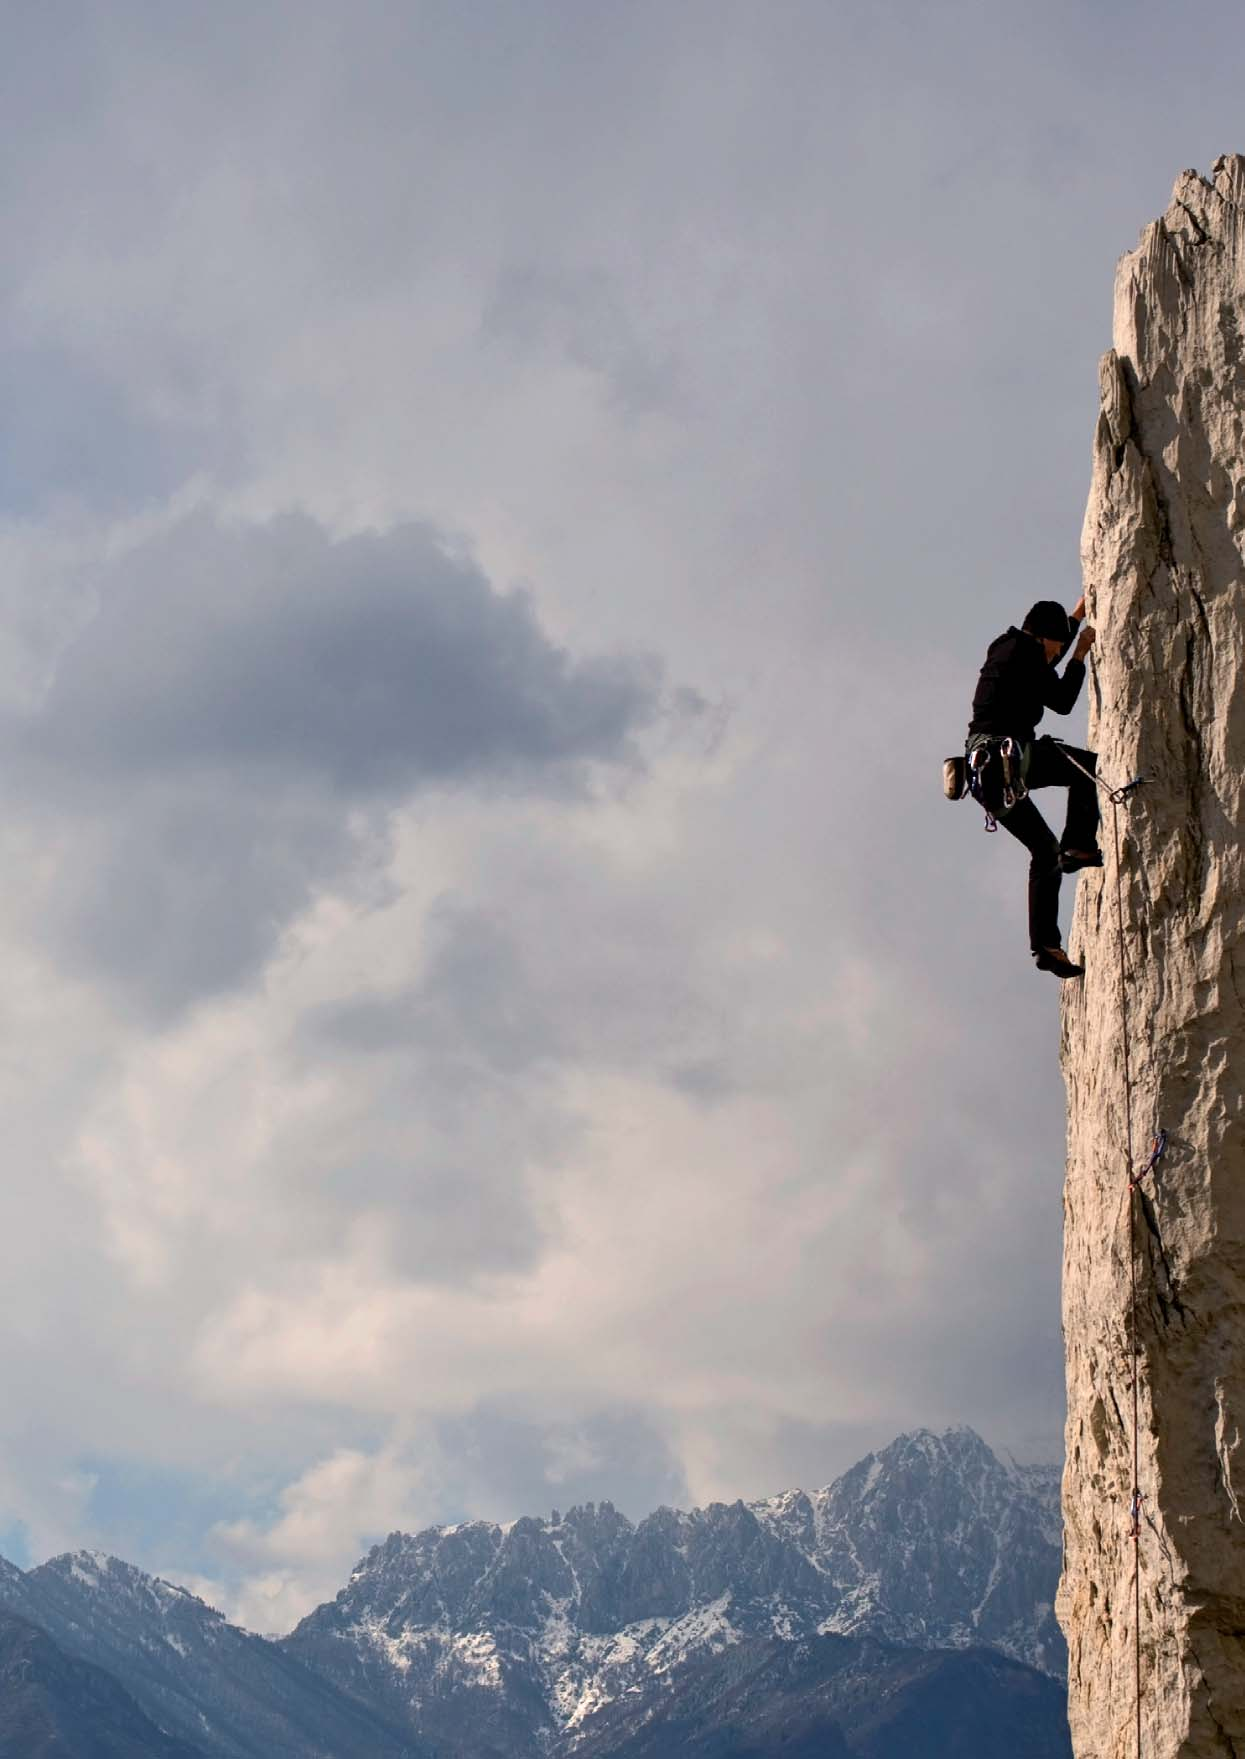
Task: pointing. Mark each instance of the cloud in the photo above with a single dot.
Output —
(228, 733)
(499, 1462)
(305, 1553)
(369, 666)
(435, 1070)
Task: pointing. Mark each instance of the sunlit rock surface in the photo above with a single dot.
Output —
(1163, 550)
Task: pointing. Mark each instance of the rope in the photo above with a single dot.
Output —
(1158, 1147)
(1135, 1500)
(1117, 797)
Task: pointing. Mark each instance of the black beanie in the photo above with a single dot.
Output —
(1049, 621)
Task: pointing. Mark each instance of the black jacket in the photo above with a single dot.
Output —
(1018, 682)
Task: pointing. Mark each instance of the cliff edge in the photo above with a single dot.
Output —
(1163, 550)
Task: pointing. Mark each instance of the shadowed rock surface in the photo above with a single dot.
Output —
(53, 1706)
(229, 1693)
(1164, 560)
(840, 1698)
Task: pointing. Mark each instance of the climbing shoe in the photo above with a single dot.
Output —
(1072, 859)
(1056, 960)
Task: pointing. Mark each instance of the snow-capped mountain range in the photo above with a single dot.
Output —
(516, 1640)
(934, 1542)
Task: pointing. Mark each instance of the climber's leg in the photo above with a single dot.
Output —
(1051, 766)
(1027, 825)
(1081, 830)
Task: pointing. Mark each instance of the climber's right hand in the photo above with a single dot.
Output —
(1084, 641)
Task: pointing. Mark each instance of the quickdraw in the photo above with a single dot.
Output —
(1117, 796)
(1158, 1148)
(1134, 1513)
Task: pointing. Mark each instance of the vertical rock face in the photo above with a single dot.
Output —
(1164, 558)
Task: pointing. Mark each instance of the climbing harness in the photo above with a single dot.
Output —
(996, 774)
(993, 771)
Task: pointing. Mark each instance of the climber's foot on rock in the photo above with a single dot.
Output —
(1056, 960)
(1072, 859)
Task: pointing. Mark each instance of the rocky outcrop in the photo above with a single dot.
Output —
(1164, 561)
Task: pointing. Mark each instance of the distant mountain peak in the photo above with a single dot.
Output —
(98, 1574)
(543, 1635)
(225, 1693)
(931, 1540)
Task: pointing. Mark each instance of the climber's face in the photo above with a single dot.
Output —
(1053, 650)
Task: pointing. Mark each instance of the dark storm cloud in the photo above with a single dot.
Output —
(174, 891)
(370, 667)
(228, 732)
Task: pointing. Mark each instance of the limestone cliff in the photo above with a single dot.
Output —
(1164, 559)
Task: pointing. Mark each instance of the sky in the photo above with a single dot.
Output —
(501, 510)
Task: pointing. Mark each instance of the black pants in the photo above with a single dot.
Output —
(1049, 768)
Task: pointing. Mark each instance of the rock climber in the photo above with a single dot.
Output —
(1018, 681)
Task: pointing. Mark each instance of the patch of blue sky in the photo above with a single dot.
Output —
(15, 1544)
(159, 1518)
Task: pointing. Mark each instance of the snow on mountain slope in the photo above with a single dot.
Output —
(524, 1641)
(224, 1691)
(935, 1541)
(531, 1630)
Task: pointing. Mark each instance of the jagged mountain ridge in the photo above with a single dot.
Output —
(221, 1690)
(522, 1634)
(590, 1634)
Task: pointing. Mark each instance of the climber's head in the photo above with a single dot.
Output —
(1049, 623)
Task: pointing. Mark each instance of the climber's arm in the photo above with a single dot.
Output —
(1061, 693)
(1074, 617)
